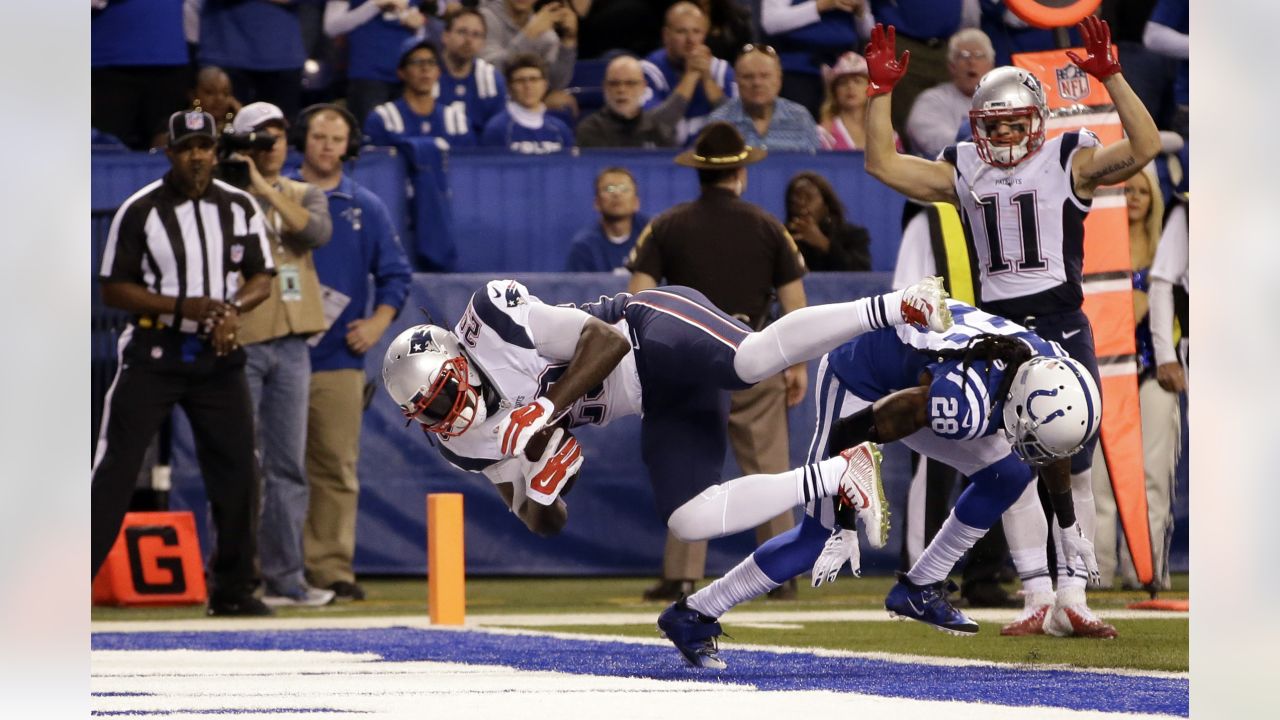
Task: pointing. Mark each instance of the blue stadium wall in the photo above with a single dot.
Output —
(513, 218)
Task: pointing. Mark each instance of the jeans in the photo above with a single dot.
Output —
(279, 373)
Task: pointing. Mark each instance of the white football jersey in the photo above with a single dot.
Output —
(496, 335)
(1026, 223)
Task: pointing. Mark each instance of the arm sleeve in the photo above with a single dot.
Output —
(126, 242)
(319, 227)
(670, 111)
(646, 256)
(555, 330)
(789, 263)
(561, 71)
(340, 19)
(493, 134)
(1160, 314)
(780, 16)
(853, 245)
(391, 272)
(375, 129)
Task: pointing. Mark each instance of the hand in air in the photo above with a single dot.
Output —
(883, 65)
(1100, 61)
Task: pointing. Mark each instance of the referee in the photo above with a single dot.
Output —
(186, 255)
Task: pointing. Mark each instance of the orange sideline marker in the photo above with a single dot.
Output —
(155, 561)
(446, 567)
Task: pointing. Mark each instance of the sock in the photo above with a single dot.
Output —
(793, 552)
(1027, 531)
(952, 541)
(745, 502)
(743, 582)
(807, 333)
(1087, 516)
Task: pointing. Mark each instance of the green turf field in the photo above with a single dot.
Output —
(1143, 644)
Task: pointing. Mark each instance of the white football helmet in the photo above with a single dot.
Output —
(1008, 94)
(1053, 408)
(426, 372)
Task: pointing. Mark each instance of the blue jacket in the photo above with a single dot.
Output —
(591, 251)
(921, 19)
(140, 32)
(251, 34)
(503, 131)
(364, 243)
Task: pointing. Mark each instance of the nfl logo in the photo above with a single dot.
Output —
(237, 253)
(194, 120)
(1073, 83)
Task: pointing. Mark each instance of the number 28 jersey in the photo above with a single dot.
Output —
(1026, 224)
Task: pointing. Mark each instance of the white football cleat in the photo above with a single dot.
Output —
(862, 488)
(1071, 616)
(924, 305)
(1032, 618)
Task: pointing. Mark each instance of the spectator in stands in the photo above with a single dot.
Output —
(728, 27)
(1160, 407)
(278, 362)
(180, 348)
(375, 30)
(603, 246)
(417, 113)
(1011, 34)
(469, 84)
(923, 27)
(525, 126)
(364, 244)
(684, 50)
(215, 95)
(259, 45)
(809, 34)
(815, 217)
(764, 119)
(844, 109)
(741, 258)
(1167, 33)
(550, 32)
(140, 71)
(623, 122)
(940, 112)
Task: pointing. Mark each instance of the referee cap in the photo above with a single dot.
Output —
(187, 124)
(720, 147)
(254, 115)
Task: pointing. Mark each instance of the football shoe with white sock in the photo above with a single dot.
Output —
(1071, 616)
(693, 634)
(924, 305)
(1032, 618)
(928, 604)
(862, 488)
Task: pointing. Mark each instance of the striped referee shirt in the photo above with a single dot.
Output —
(180, 248)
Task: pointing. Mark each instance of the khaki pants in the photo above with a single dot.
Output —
(1161, 445)
(758, 434)
(928, 67)
(333, 446)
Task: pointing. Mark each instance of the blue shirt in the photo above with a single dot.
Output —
(250, 34)
(1173, 14)
(790, 128)
(364, 243)
(479, 96)
(503, 131)
(805, 48)
(373, 49)
(395, 119)
(591, 251)
(661, 77)
(139, 32)
(920, 19)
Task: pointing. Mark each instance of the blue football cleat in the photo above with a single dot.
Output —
(693, 634)
(928, 604)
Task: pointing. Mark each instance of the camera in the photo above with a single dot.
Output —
(236, 172)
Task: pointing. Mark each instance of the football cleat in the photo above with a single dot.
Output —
(929, 605)
(924, 305)
(1031, 620)
(862, 488)
(1078, 620)
(693, 634)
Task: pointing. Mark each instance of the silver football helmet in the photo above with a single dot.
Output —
(426, 372)
(1053, 408)
(1008, 94)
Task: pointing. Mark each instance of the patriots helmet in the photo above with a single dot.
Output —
(1008, 94)
(428, 375)
(1053, 408)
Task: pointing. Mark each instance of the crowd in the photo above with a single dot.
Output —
(287, 341)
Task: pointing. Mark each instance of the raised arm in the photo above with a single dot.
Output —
(1117, 162)
(926, 180)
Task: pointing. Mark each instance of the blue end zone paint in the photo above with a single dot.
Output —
(761, 669)
(221, 711)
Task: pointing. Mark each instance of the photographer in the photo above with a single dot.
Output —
(186, 255)
(278, 365)
(546, 28)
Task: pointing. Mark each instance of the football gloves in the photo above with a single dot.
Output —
(1099, 62)
(841, 547)
(1075, 546)
(516, 429)
(546, 477)
(884, 68)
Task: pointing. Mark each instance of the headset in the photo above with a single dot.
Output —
(354, 137)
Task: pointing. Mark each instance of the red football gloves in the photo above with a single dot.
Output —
(516, 429)
(883, 66)
(547, 475)
(1100, 63)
